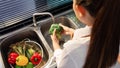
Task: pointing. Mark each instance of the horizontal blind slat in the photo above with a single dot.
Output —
(14, 11)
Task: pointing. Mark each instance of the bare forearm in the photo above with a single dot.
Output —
(56, 46)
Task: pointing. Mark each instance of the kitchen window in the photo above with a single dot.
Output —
(13, 12)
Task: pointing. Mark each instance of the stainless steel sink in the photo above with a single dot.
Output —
(30, 33)
(44, 28)
(39, 33)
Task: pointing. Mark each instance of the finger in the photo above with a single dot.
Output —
(51, 36)
(54, 33)
(61, 25)
(64, 27)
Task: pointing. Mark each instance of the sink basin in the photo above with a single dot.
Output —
(38, 34)
(44, 28)
(30, 33)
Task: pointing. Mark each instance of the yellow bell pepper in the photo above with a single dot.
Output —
(21, 60)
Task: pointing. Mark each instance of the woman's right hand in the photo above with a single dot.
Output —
(55, 41)
(67, 30)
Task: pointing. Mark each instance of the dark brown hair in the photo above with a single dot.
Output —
(105, 36)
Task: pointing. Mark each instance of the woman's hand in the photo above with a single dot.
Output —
(55, 40)
(67, 30)
(54, 37)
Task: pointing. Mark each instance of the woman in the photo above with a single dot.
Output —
(96, 45)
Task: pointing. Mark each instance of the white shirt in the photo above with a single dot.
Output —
(74, 53)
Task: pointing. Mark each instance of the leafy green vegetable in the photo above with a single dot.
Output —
(24, 48)
(28, 54)
(58, 30)
(16, 66)
(29, 65)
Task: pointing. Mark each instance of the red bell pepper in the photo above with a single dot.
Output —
(36, 58)
(12, 57)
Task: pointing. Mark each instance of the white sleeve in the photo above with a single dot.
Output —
(57, 55)
(65, 60)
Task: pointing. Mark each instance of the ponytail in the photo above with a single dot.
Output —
(105, 36)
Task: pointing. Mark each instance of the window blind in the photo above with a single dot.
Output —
(14, 11)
